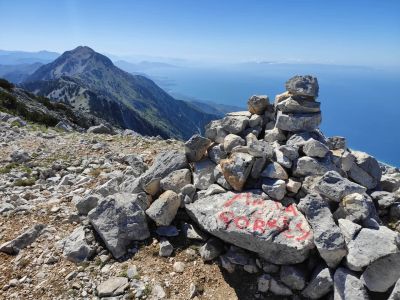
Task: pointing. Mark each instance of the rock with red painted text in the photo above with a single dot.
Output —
(278, 234)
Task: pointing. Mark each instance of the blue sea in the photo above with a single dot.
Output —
(359, 103)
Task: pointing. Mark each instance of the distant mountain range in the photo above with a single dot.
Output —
(91, 83)
(23, 57)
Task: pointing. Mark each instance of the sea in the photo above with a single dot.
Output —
(359, 103)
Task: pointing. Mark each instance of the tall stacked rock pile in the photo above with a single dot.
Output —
(264, 191)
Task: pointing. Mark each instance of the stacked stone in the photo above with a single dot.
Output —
(297, 109)
(276, 155)
(293, 206)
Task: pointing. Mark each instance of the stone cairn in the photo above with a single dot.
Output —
(265, 192)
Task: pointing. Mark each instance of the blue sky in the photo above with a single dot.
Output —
(340, 32)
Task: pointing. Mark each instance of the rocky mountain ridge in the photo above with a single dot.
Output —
(263, 206)
(91, 83)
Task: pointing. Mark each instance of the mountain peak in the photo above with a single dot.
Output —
(72, 63)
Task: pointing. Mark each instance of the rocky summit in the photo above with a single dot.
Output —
(263, 206)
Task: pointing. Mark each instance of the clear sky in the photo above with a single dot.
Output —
(359, 32)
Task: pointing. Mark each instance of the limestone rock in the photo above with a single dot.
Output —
(163, 210)
(294, 277)
(75, 247)
(303, 86)
(237, 169)
(384, 199)
(382, 273)
(315, 148)
(274, 188)
(234, 124)
(366, 171)
(321, 283)
(263, 283)
(296, 122)
(395, 295)
(327, 235)
(273, 135)
(164, 164)
(258, 104)
(248, 221)
(308, 166)
(370, 245)
(355, 207)
(348, 286)
(100, 129)
(203, 174)
(211, 249)
(349, 229)
(333, 186)
(117, 235)
(297, 104)
(86, 204)
(231, 141)
(274, 170)
(176, 180)
(216, 153)
(166, 248)
(25, 239)
(196, 147)
(113, 286)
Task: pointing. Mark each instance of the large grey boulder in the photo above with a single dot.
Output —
(366, 170)
(236, 169)
(296, 122)
(280, 235)
(163, 210)
(348, 286)
(176, 180)
(327, 236)
(315, 148)
(100, 129)
(75, 247)
(165, 163)
(382, 274)
(234, 124)
(257, 104)
(333, 186)
(370, 245)
(309, 166)
(23, 240)
(203, 174)
(303, 86)
(320, 284)
(119, 220)
(196, 147)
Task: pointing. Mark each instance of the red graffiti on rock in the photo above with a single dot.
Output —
(266, 216)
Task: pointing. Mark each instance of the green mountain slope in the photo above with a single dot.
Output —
(90, 82)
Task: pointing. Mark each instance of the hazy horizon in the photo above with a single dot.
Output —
(365, 33)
